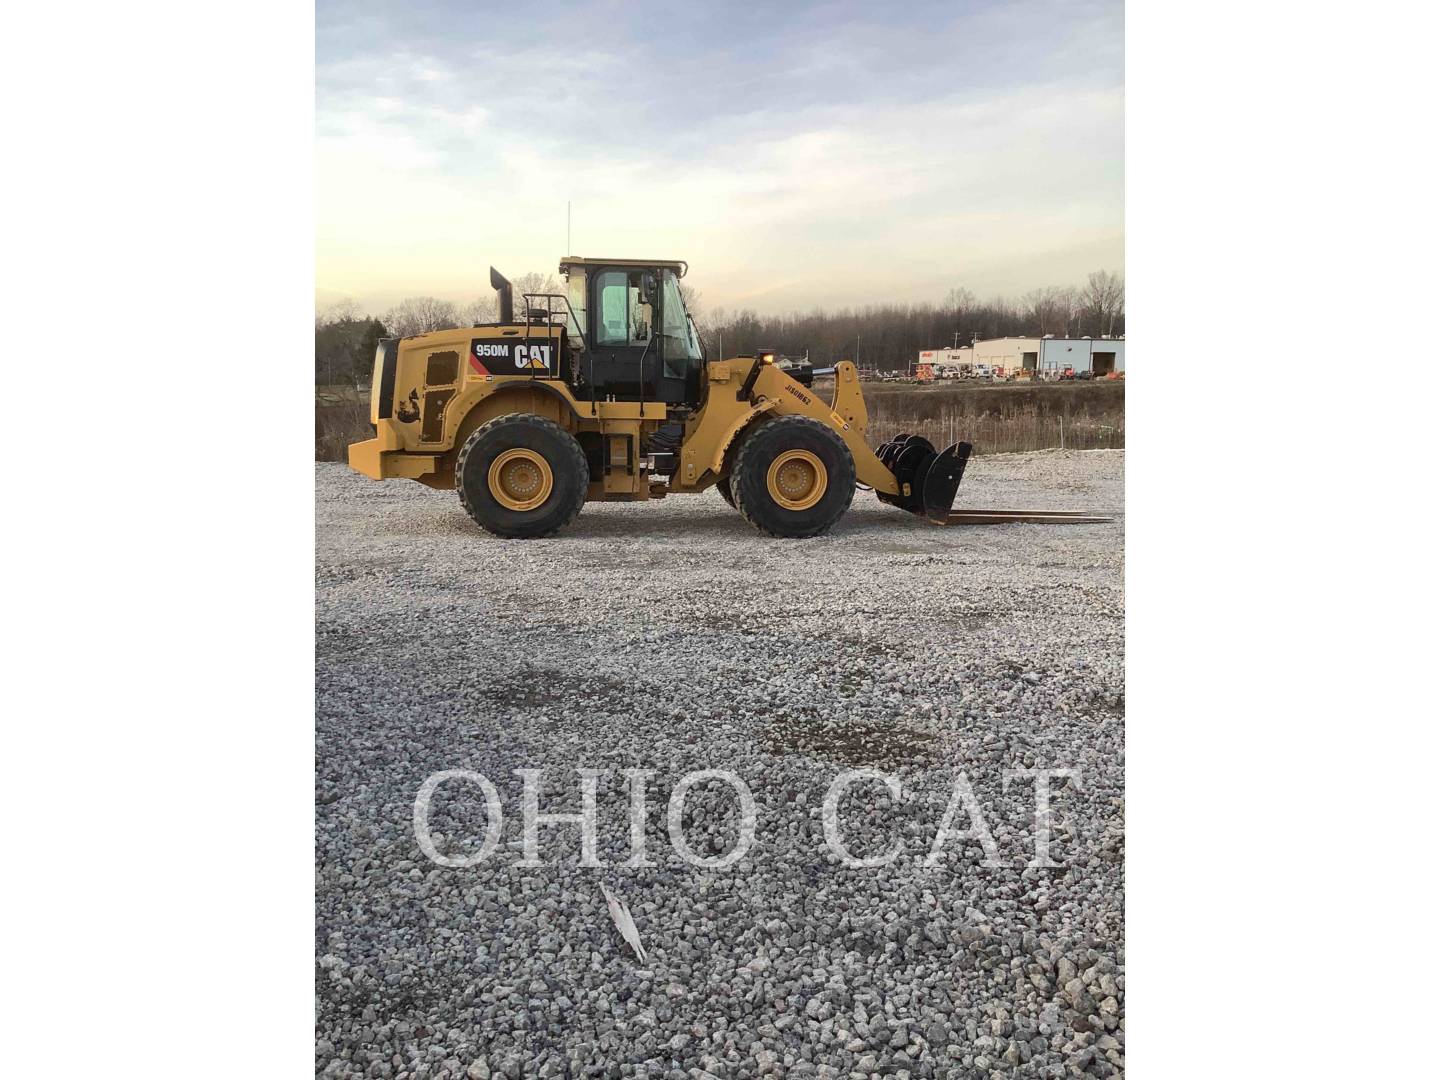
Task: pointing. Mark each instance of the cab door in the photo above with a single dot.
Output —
(623, 324)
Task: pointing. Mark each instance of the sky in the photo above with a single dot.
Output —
(796, 155)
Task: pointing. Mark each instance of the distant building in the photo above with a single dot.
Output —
(1052, 355)
(943, 358)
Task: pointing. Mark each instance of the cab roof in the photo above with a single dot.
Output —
(678, 265)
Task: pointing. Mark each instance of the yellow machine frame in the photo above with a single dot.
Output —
(422, 445)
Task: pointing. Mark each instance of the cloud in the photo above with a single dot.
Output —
(825, 156)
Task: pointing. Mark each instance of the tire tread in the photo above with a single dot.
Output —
(742, 465)
(572, 448)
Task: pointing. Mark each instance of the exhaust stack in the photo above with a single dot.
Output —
(506, 295)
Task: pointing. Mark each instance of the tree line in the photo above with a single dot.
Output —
(884, 336)
(890, 336)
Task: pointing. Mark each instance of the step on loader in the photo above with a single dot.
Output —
(603, 393)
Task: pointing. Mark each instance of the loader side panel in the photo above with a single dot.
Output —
(432, 423)
(428, 384)
(728, 411)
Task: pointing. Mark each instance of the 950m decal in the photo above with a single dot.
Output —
(511, 358)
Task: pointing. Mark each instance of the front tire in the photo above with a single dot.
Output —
(521, 476)
(793, 477)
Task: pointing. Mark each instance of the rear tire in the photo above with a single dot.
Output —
(723, 486)
(521, 476)
(793, 477)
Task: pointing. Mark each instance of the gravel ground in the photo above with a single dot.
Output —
(673, 637)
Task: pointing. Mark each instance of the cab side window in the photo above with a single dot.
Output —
(614, 328)
(624, 318)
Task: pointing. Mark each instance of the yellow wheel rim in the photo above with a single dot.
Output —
(797, 479)
(520, 479)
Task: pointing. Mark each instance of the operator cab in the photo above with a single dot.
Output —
(636, 340)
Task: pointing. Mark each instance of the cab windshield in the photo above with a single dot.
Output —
(677, 331)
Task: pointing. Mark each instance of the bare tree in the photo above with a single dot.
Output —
(484, 309)
(1049, 308)
(691, 296)
(420, 315)
(710, 326)
(1073, 305)
(960, 299)
(344, 310)
(1116, 308)
(533, 282)
(693, 304)
(1104, 300)
(696, 309)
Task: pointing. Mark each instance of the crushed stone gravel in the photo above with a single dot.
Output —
(673, 637)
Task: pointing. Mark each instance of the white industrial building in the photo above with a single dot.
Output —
(946, 358)
(1051, 355)
(1044, 356)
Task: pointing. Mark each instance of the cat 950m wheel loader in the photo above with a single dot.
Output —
(604, 393)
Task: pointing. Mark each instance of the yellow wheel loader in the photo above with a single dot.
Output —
(603, 392)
